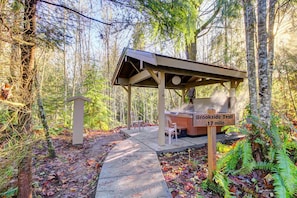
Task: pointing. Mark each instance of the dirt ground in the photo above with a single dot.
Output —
(75, 170)
(185, 171)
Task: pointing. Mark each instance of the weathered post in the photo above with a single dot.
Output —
(78, 118)
(211, 145)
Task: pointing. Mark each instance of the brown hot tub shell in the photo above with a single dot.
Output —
(185, 120)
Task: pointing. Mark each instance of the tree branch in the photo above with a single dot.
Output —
(16, 40)
(203, 26)
(13, 104)
(72, 10)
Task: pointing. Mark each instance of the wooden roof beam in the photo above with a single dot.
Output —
(199, 67)
(122, 81)
(139, 77)
(154, 76)
(133, 66)
(189, 73)
(204, 82)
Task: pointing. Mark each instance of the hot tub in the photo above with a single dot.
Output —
(184, 119)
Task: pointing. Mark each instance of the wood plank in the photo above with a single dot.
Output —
(155, 77)
(211, 150)
(143, 75)
(142, 55)
(195, 73)
(199, 67)
(211, 146)
(219, 119)
(122, 81)
(129, 108)
(161, 108)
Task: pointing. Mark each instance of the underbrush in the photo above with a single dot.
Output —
(263, 164)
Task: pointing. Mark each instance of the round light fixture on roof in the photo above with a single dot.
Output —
(176, 80)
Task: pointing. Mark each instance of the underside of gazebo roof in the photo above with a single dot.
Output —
(140, 69)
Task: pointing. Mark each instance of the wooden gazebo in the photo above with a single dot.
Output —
(145, 69)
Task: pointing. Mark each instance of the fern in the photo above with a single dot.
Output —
(222, 148)
(223, 181)
(231, 129)
(271, 154)
(260, 141)
(208, 185)
(287, 171)
(241, 155)
(11, 192)
(228, 163)
(274, 144)
(266, 166)
(244, 131)
(273, 133)
(279, 186)
(248, 162)
(291, 145)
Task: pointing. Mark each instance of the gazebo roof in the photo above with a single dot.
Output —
(140, 68)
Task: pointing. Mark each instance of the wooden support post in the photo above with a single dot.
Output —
(183, 97)
(129, 108)
(161, 86)
(232, 96)
(211, 147)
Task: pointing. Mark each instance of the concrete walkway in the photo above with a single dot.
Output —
(132, 169)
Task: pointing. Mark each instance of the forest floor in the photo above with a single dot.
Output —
(75, 170)
(185, 172)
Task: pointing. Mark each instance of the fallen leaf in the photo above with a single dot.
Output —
(91, 162)
(73, 189)
(51, 177)
(233, 189)
(50, 192)
(188, 186)
(168, 154)
(174, 193)
(64, 181)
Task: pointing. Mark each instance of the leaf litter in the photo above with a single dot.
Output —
(185, 171)
(75, 170)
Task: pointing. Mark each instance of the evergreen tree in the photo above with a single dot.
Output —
(97, 113)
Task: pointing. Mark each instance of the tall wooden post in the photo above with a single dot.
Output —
(183, 96)
(129, 107)
(78, 118)
(211, 146)
(232, 96)
(161, 86)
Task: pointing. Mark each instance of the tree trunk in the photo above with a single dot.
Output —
(15, 50)
(191, 50)
(27, 75)
(226, 58)
(25, 177)
(80, 53)
(249, 20)
(50, 147)
(65, 70)
(264, 109)
(271, 20)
